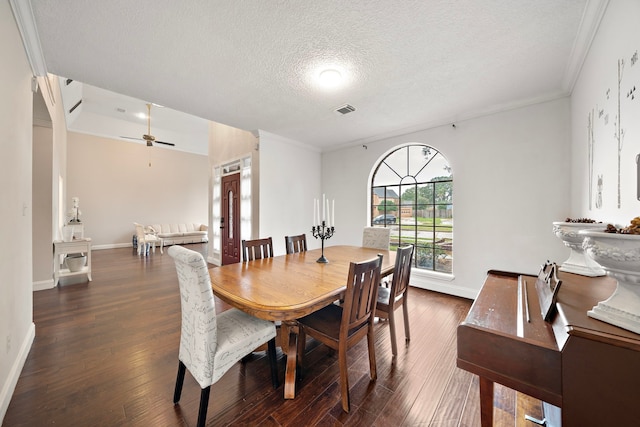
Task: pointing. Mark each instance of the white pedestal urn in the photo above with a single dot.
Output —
(578, 262)
(619, 255)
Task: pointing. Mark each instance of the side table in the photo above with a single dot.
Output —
(76, 246)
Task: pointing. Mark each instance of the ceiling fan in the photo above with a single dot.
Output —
(150, 139)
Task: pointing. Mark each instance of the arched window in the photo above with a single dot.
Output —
(412, 193)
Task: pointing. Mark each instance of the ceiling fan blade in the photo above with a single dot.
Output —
(165, 143)
(131, 137)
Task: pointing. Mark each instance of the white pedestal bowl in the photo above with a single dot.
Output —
(619, 255)
(578, 262)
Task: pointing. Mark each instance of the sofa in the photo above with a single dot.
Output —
(177, 234)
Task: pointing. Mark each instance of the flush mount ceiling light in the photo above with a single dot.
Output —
(330, 77)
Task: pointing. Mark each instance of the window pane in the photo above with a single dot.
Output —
(412, 194)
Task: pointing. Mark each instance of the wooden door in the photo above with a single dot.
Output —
(230, 219)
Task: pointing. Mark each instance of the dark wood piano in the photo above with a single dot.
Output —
(586, 371)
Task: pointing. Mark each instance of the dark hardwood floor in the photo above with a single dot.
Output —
(105, 354)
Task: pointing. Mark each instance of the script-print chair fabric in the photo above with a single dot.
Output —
(145, 239)
(294, 244)
(390, 298)
(210, 343)
(376, 237)
(341, 327)
(257, 249)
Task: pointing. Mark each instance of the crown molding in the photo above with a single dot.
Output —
(23, 14)
(591, 18)
(27, 26)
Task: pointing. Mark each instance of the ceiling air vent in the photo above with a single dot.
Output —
(75, 106)
(345, 109)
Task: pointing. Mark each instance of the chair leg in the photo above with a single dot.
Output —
(344, 377)
(392, 331)
(373, 371)
(204, 404)
(179, 381)
(405, 312)
(273, 361)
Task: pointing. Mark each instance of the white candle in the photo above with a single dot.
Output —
(333, 213)
(323, 205)
(314, 212)
(318, 212)
(328, 214)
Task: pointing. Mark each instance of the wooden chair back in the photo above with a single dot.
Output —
(361, 295)
(401, 271)
(295, 244)
(257, 249)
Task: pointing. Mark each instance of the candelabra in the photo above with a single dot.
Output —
(322, 232)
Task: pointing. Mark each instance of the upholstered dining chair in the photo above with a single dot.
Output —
(145, 239)
(390, 298)
(376, 237)
(341, 327)
(295, 243)
(211, 343)
(257, 249)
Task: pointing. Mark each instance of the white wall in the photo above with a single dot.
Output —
(42, 206)
(117, 187)
(289, 180)
(511, 181)
(16, 318)
(596, 92)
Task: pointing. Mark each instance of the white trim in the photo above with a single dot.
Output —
(284, 140)
(593, 13)
(448, 120)
(43, 284)
(112, 246)
(9, 385)
(445, 288)
(23, 14)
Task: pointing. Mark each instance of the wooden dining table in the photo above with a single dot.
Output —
(289, 287)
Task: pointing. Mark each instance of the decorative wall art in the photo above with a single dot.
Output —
(619, 102)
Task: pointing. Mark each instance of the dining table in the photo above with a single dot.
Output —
(288, 287)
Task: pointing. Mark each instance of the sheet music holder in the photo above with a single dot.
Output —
(547, 287)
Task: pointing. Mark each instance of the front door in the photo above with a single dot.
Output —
(230, 219)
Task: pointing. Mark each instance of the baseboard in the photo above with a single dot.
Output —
(444, 288)
(43, 284)
(111, 246)
(9, 385)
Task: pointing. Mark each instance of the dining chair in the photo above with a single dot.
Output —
(295, 243)
(376, 237)
(390, 298)
(145, 239)
(211, 343)
(257, 249)
(341, 327)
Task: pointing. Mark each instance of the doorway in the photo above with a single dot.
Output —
(230, 219)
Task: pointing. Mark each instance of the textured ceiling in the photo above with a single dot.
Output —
(408, 64)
